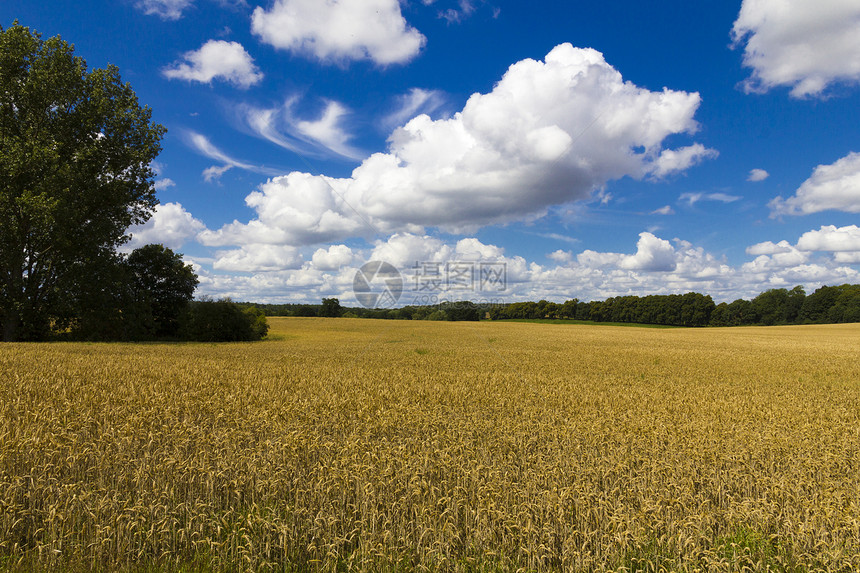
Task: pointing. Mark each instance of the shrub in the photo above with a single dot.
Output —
(223, 321)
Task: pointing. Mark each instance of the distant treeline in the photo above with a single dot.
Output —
(828, 304)
(453, 311)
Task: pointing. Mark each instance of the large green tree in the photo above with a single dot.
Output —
(76, 150)
(162, 283)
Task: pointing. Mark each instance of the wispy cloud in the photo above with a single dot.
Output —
(202, 145)
(164, 9)
(325, 133)
(328, 131)
(415, 102)
(693, 198)
(559, 237)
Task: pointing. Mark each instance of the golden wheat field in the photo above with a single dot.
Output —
(363, 445)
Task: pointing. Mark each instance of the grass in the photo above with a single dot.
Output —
(362, 445)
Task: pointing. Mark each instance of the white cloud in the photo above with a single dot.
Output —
(162, 184)
(328, 132)
(214, 172)
(657, 267)
(790, 259)
(758, 175)
(652, 254)
(769, 248)
(835, 186)
(205, 147)
(471, 249)
(549, 133)
(797, 43)
(307, 136)
(217, 59)
(832, 239)
(263, 257)
(337, 30)
(454, 15)
(415, 102)
(296, 209)
(164, 9)
(675, 160)
(404, 250)
(171, 225)
(561, 256)
(333, 258)
(693, 198)
(665, 210)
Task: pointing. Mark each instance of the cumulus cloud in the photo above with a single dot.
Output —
(251, 258)
(162, 184)
(835, 186)
(769, 248)
(171, 225)
(404, 250)
(675, 160)
(831, 238)
(803, 45)
(296, 209)
(561, 256)
(588, 276)
(757, 175)
(164, 9)
(549, 133)
(338, 30)
(653, 254)
(217, 59)
(333, 258)
(840, 244)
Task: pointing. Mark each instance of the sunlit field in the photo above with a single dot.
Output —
(366, 445)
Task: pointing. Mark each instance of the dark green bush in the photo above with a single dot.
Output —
(223, 321)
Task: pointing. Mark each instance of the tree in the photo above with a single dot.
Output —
(816, 307)
(75, 172)
(331, 308)
(163, 284)
(461, 310)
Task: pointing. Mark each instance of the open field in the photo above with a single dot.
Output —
(393, 445)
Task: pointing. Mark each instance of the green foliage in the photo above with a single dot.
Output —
(463, 310)
(259, 324)
(691, 309)
(163, 283)
(437, 315)
(778, 306)
(330, 308)
(222, 321)
(140, 297)
(75, 155)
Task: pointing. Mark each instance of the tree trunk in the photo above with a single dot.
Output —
(10, 326)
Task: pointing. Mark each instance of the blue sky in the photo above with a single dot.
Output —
(595, 149)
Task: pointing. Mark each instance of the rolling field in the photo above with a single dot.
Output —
(398, 446)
